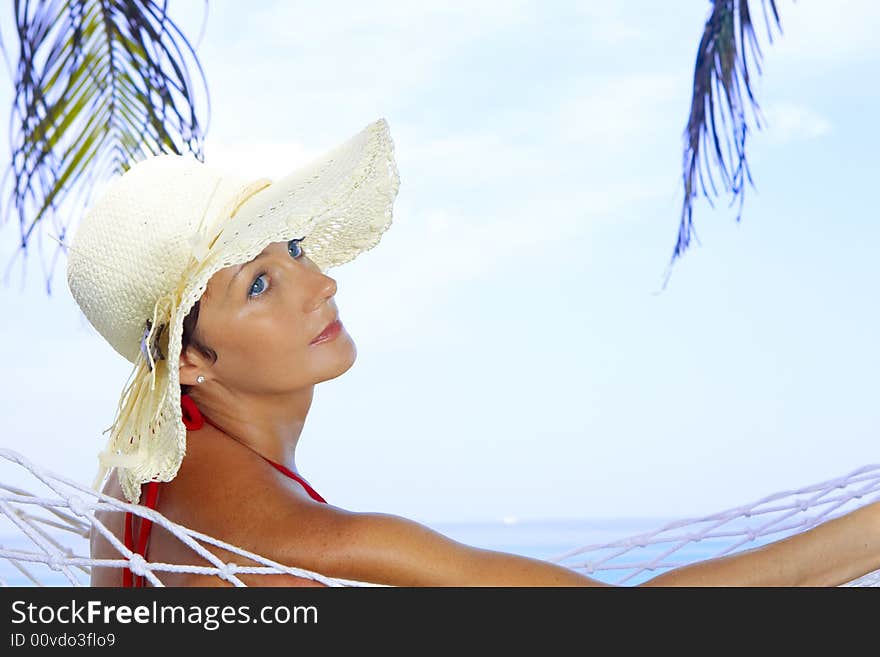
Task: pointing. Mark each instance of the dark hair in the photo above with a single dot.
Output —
(188, 338)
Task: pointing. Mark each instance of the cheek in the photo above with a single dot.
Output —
(268, 343)
(263, 364)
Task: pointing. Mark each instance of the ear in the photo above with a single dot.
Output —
(192, 364)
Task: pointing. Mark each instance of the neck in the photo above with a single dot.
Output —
(268, 425)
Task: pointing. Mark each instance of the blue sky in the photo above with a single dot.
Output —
(516, 355)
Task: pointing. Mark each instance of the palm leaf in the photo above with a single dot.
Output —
(720, 75)
(99, 84)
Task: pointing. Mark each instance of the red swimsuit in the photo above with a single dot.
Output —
(193, 420)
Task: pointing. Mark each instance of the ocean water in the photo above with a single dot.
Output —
(549, 539)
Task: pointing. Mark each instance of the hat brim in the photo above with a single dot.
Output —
(341, 203)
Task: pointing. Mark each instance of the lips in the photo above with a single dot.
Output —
(330, 331)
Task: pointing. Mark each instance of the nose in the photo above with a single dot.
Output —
(325, 288)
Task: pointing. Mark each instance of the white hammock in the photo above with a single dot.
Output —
(52, 530)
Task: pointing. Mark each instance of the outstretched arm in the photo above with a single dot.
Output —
(387, 549)
(830, 554)
(399, 551)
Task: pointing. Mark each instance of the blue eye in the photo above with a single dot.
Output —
(293, 246)
(256, 293)
(260, 286)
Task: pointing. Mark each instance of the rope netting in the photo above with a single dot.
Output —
(44, 535)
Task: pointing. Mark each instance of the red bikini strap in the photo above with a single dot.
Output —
(147, 524)
(128, 579)
(129, 543)
(290, 473)
(192, 417)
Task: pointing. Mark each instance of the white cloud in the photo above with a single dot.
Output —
(474, 159)
(256, 157)
(386, 45)
(822, 32)
(620, 111)
(605, 23)
(790, 122)
(437, 251)
(358, 23)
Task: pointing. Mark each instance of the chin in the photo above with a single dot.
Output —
(345, 354)
(351, 351)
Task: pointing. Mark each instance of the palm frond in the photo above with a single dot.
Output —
(721, 74)
(99, 84)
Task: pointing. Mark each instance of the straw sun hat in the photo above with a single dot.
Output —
(145, 250)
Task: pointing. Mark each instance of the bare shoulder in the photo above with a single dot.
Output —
(243, 498)
(227, 492)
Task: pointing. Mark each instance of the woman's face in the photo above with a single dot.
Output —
(260, 319)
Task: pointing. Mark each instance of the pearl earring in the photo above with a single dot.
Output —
(200, 379)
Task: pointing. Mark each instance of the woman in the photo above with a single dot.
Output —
(215, 287)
